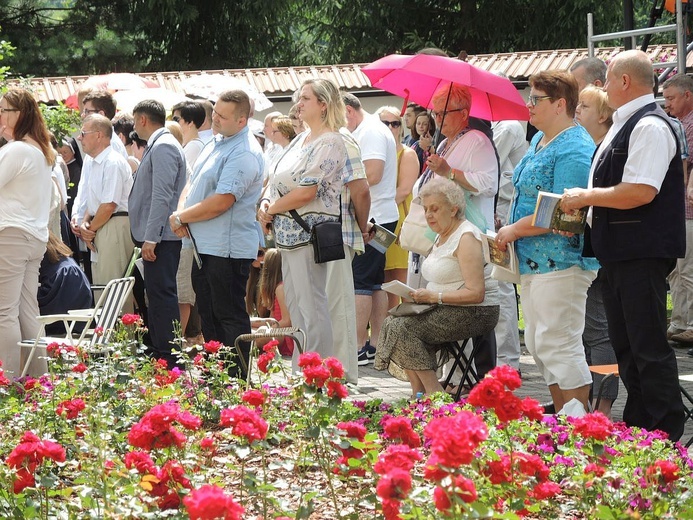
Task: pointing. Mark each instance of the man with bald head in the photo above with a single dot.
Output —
(637, 229)
(103, 211)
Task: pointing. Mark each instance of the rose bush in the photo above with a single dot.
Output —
(124, 437)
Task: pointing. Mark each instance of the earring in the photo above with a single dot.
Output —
(323, 115)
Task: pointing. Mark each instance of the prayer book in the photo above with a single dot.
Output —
(548, 214)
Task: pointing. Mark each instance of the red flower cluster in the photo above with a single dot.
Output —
(212, 347)
(162, 483)
(211, 503)
(79, 368)
(397, 456)
(269, 352)
(140, 460)
(169, 479)
(254, 398)
(166, 377)
(320, 373)
(545, 490)
(594, 425)
(355, 431)
(399, 429)
(245, 423)
(156, 430)
(131, 319)
(495, 392)
(461, 487)
(29, 453)
(663, 472)
(3, 380)
(454, 439)
(70, 408)
(59, 349)
(392, 488)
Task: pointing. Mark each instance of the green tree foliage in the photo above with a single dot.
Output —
(56, 37)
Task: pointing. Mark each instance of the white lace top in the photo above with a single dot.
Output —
(442, 270)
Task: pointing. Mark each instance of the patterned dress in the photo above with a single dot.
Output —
(412, 342)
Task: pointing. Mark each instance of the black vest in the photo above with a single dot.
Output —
(654, 230)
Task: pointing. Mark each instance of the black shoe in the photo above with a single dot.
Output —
(690, 352)
(366, 354)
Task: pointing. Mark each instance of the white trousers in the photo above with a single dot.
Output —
(19, 269)
(340, 294)
(553, 305)
(304, 286)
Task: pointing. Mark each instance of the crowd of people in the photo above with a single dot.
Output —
(223, 216)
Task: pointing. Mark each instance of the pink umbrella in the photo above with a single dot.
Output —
(113, 82)
(419, 77)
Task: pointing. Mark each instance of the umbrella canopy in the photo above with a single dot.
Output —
(113, 82)
(209, 86)
(127, 99)
(419, 77)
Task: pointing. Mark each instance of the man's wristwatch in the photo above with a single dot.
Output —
(176, 218)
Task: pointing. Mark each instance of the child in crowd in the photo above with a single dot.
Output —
(272, 296)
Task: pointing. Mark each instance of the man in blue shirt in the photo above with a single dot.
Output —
(217, 208)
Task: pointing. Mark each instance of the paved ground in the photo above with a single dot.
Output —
(374, 384)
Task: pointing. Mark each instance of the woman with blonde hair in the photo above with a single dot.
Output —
(26, 162)
(396, 258)
(308, 179)
(594, 113)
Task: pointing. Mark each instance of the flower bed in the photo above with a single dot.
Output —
(120, 437)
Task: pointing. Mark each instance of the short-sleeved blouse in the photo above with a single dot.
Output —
(319, 163)
(563, 163)
(442, 269)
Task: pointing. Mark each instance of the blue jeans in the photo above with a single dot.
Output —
(220, 292)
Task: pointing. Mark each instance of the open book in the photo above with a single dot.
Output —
(400, 289)
(382, 238)
(548, 214)
(504, 263)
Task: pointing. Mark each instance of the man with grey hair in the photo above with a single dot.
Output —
(637, 228)
(678, 101)
(589, 71)
(103, 212)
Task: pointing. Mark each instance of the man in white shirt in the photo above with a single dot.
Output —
(379, 155)
(636, 194)
(103, 214)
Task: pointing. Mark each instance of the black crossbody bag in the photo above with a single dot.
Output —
(326, 237)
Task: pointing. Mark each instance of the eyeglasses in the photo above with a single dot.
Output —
(8, 110)
(87, 111)
(533, 100)
(176, 119)
(436, 115)
(393, 124)
(83, 133)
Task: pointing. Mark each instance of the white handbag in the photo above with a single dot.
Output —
(415, 235)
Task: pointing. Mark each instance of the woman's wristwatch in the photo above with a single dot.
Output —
(451, 174)
(440, 298)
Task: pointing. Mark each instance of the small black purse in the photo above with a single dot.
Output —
(326, 237)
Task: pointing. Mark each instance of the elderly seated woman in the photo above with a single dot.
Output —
(460, 285)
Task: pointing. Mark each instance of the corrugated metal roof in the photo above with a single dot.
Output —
(283, 81)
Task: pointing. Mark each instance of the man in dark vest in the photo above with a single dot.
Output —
(637, 230)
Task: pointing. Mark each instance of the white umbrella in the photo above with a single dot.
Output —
(209, 86)
(127, 99)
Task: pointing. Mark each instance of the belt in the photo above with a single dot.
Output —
(120, 214)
